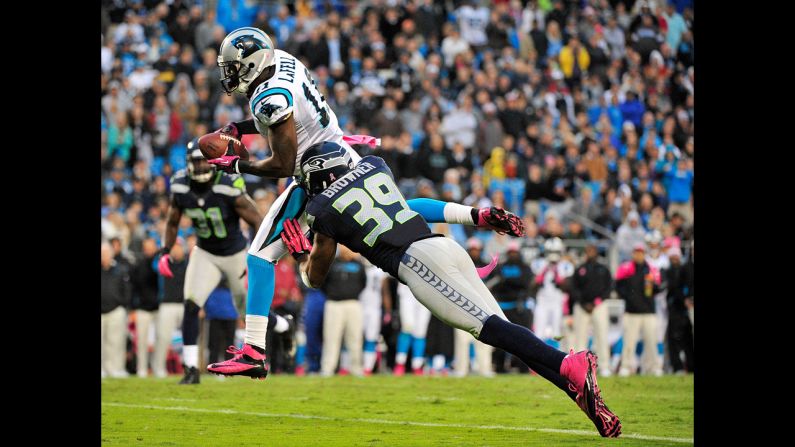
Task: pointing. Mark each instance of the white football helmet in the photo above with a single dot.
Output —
(244, 53)
(654, 237)
(553, 248)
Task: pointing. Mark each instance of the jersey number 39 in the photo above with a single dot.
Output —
(381, 189)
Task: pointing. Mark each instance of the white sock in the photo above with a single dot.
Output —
(281, 324)
(190, 355)
(369, 360)
(256, 330)
(438, 362)
(417, 362)
(457, 213)
(401, 357)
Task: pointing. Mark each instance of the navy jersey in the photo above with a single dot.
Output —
(365, 211)
(212, 210)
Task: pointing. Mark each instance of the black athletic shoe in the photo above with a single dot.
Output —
(288, 339)
(191, 376)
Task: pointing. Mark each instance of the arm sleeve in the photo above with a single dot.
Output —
(246, 127)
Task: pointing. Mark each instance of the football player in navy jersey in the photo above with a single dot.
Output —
(359, 206)
(215, 202)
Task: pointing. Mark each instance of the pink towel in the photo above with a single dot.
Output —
(484, 271)
(362, 139)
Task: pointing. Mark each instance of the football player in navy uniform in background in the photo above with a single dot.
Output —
(215, 201)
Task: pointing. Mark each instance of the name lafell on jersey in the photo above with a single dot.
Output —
(360, 170)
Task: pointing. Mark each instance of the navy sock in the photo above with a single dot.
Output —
(190, 324)
(554, 377)
(521, 342)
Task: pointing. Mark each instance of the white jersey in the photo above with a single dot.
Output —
(370, 298)
(473, 24)
(371, 295)
(661, 262)
(549, 288)
(291, 89)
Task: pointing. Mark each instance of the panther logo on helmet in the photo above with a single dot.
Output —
(249, 44)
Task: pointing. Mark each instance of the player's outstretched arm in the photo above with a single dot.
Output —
(284, 150)
(169, 238)
(247, 209)
(497, 219)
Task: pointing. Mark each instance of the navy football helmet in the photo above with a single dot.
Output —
(323, 164)
(199, 170)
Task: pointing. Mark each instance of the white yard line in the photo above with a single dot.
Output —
(392, 422)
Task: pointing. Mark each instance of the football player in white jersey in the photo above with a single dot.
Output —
(288, 109)
(657, 258)
(551, 272)
(372, 298)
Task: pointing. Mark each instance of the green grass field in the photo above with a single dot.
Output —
(388, 411)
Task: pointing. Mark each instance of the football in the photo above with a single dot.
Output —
(214, 145)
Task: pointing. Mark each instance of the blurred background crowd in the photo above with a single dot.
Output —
(576, 115)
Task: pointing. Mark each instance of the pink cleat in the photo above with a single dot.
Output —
(501, 221)
(576, 367)
(580, 370)
(399, 370)
(418, 372)
(246, 362)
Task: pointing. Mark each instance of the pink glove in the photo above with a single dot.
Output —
(294, 238)
(163, 268)
(387, 318)
(485, 271)
(226, 163)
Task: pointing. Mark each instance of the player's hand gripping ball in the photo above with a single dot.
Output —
(216, 145)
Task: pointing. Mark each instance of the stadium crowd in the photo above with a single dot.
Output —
(576, 115)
